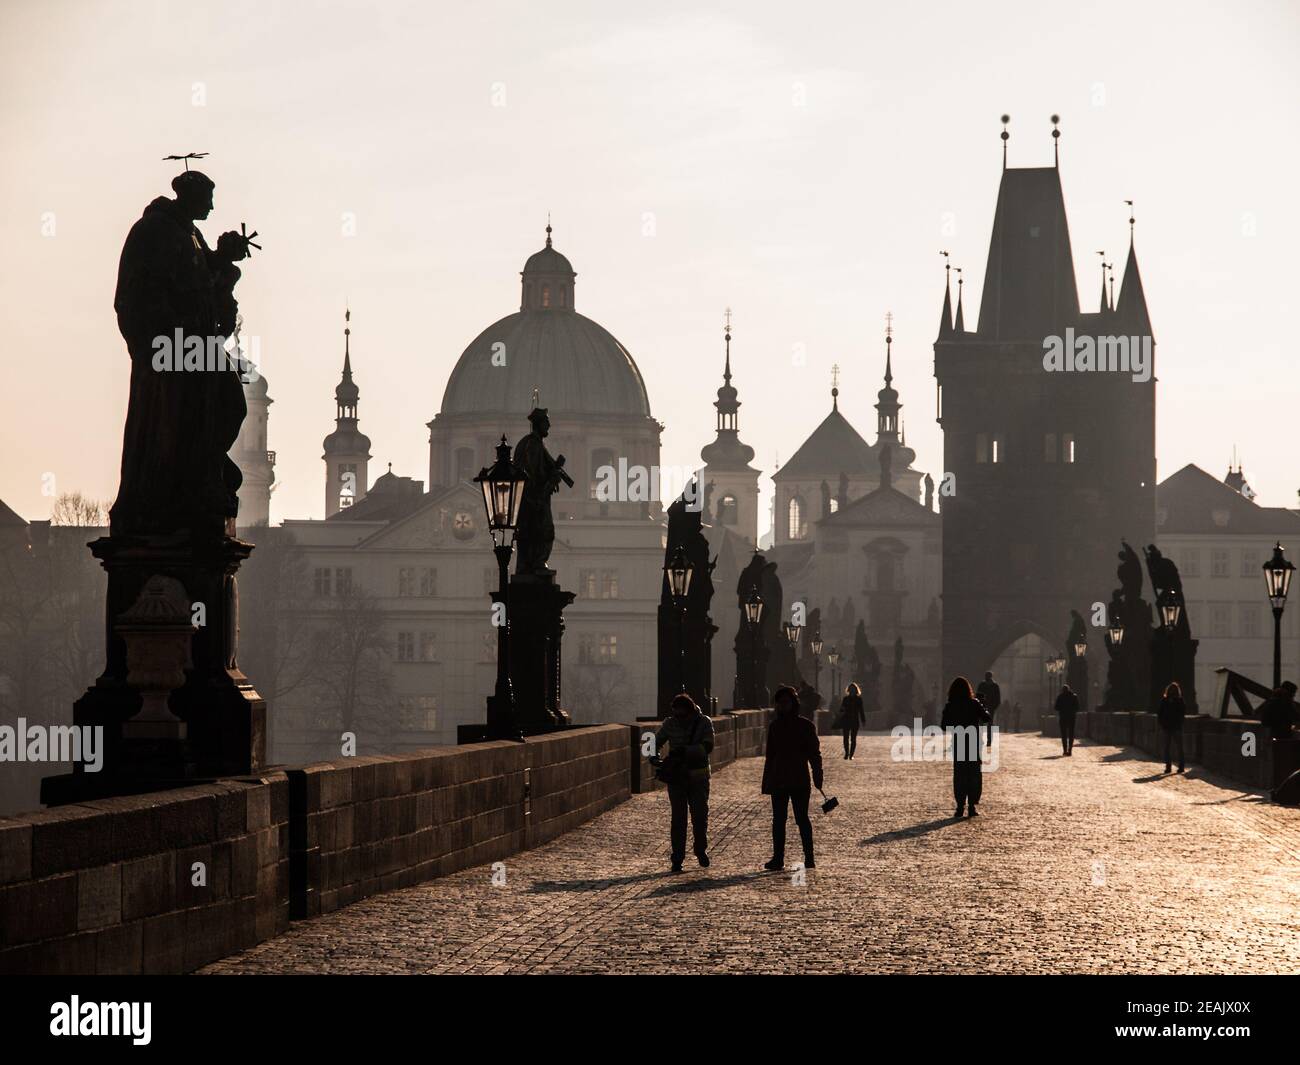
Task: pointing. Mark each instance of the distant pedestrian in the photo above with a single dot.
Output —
(688, 734)
(990, 697)
(852, 714)
(1278, 712)
(1013, 717)
(792, 749)
(1170, 715)
(1067, 706)
(963, 714)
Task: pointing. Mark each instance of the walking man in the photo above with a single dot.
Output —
(688, 734)
(1067, 706)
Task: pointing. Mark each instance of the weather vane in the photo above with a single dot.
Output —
(186, 158)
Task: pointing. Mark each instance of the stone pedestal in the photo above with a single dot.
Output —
(536, 613)
(214, 723)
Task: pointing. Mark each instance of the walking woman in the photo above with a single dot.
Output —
(1170, 715)
(792, 747)
(688, 735)
(852, 714)
(963, 714)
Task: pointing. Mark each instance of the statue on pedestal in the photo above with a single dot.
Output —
(536, 535)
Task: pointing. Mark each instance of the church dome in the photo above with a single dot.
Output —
(575, 363)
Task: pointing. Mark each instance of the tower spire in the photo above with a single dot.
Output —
(1131, 221)
(945, 322)
(887, 407)
(1056, 140)
(960, 325)
(835, 386)
(548, 229)
(1103, 306)
(726, 372)
(1006, 121)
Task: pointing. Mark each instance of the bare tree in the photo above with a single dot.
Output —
(351, 682)
(74, 508)
(600, 692)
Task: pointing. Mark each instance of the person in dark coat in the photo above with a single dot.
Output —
(990, 697)
(688, 734)
(1278, 711)
(962, 716)
(1170, 715)
(852, 714)
(1067, 706)
(792, 749)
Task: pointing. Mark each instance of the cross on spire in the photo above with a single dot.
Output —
(835, 386)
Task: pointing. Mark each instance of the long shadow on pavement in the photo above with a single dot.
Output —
(910, 833)
(542, 886)
(710, 883)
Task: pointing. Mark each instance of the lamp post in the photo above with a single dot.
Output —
(679, 571)
(1116, 633)
(834, 661)
(502, 485)
(1277, 576)
(815, 645)
(753, 615)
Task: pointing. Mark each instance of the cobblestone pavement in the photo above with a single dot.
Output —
(1095, 863)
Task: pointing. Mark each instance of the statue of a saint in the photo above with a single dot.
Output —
(536, 534)
(176, 310)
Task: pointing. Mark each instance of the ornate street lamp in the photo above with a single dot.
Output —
(1116, 632)
(1171, 609)
(1080, 649)
(815, 645)
(679, 570)
(1277, 576)
(502, 485)
(792, 632)
(753, 616)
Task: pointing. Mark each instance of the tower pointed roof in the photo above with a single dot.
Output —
(887, 405)
(725, 451)
(346, 394)
(945, 321)
(1029, 283)
(347, 439)
(1132, 306)
(960, 325)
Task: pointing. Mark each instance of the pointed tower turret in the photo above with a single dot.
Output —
(1131, 310)
(960, 326)
(945, 321)
(726, 461)
(347, 449)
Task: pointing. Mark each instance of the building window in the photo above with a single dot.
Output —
(727, 508)
(1067, 447)
(587, 584)
(1220, 620)
(464, 464)
(835, 505)
(607, 649)
(406, 647)
(1190, 566)
(343, 580)
(1249, 620)
(796, 529)
(1250, 564)
(417, 713)
(609, 584)
(981, 447)
(1218, 562)
(603, 458)
(488, 648)
(406, 581)
(1049, 447)
(546, 295)
(428, 582)
(428, 646)
(996, 450)
(320, 584)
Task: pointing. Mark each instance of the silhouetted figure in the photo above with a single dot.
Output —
(1067, 708)
(792, 748)
(536, 535)
(688, 734)
(963, 714)
(990, 697)
(182, 419)
(1278, 711)
(852, 715)
(1170, 715)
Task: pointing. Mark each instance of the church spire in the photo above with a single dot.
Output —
(347, 449)
(945, 322)
(1056, 141)
(728, 403)
(835, 387)
(960, 326)
(1006, 136)
(888, 406)
(347, 395)
(726, 452)
(1103, 306)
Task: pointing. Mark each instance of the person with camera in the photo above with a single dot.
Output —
(792, 748)
(688, 735)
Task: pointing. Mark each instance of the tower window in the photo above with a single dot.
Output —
(1067, 447)
(995, 449)
(795, 528)
(546, 295)
(464, 464)
(727, 508)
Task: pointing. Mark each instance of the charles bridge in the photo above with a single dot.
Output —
(1096, 863)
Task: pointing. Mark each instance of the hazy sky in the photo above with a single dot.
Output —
(801, 163)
